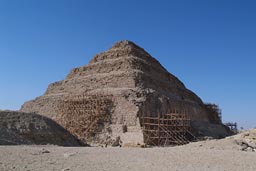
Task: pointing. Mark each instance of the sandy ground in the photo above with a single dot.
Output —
(214, 155)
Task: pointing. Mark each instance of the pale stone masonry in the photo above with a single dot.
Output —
(140, 85)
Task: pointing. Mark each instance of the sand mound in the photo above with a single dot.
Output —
(18, 128)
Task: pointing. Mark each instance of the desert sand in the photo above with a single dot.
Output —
(210, 155)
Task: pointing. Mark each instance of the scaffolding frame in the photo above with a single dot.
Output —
(168, 129)
(232, 126)
(82, 114)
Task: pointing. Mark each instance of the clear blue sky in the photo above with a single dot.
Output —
(209, 44)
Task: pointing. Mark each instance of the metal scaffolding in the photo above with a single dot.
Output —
(232, 126)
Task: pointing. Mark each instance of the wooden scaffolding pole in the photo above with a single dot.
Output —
(168, 129)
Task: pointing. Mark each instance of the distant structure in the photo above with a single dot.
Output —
(125, 94)
(232, 126)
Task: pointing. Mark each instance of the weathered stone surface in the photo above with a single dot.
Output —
(141, 87)
(18, 128)
(247, 140)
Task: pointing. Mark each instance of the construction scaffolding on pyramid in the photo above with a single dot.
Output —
(168, 129)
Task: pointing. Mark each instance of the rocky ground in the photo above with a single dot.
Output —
(236, 153)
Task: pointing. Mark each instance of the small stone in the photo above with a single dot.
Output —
(66, 155)
(238, 141)
(117, 142)
(246, 134)
(251, 144)
(43, 151)
(243, 147)
(250, 149)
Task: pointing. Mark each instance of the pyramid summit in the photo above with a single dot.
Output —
(125, 43)
(129, 46)
(123, 48)
(124, 84)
